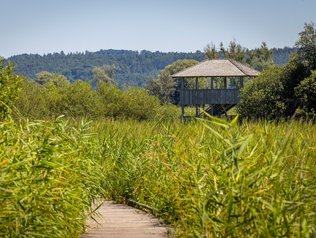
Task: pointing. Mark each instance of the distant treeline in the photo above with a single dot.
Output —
(132, 68)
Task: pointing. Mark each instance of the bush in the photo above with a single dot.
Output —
(138, 104)
(56, 96)
(32, 101)
(262, 97)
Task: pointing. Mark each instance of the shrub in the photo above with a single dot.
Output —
(262, 97)
(139, 105)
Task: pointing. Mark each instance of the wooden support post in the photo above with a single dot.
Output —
(212, 83)
(241, 80)
(225, 82)
(182, 98)
(197, 94)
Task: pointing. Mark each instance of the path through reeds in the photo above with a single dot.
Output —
(118, 221)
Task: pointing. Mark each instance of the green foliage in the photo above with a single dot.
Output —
(281, 56)
(289, 90)
(262, 97)
(10, 85)
(31, 102)
(207, 178)
(294, 73)
(272, 94)
(139, 105)
(164, 86)
(132, 68)
(234, 51)
(307, 46)
(109, 101)
(210, 52)
(306, 93)
(56, 96)
(79, 101)
(216, 178)
(261, 58)
(45, 77)
(50, 177)
(104, 74)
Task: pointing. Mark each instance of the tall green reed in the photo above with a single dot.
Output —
(213, 178)
(50, 177)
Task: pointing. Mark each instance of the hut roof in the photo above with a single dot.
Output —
(217, 68)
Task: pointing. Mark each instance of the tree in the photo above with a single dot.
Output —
(55, 88)
(109, 99)
(164, 86)
(306, 94)
(139, 105)
(261, 58)
(262, 97)
(258, 58)
(210, 52)
(104, 74)
(80, 100)
(307, 46)
(293, 86)
(10, 86)
(45, 77)
(294, 72)
(32, 101)
(234, 51)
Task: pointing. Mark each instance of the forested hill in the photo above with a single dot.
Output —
(132, 67)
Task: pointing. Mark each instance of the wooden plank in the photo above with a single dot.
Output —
(120, 221)
(190, 97)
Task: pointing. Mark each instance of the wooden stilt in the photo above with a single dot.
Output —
(196, 105)
(182, 98)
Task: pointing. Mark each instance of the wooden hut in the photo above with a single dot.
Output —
(224, 79)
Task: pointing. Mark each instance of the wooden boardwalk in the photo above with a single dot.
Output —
(118, 221)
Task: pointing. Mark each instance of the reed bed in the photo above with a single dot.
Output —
(49, 178)
(207, 178)
(213, 178)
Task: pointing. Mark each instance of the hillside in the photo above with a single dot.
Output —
(132, 67)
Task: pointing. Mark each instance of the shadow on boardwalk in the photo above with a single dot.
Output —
(118, 221)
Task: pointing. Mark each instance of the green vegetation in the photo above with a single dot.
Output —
(132, 68)
(56, 96)
(216, 179)
(285, 91)
(164, 86)
(9, 88)
(259, 58)
(50, 175)
(207, 178)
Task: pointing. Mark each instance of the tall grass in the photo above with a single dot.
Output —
(207, 178)
(49, 177)
(215, 178)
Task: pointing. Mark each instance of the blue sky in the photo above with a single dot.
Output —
(46, 26)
